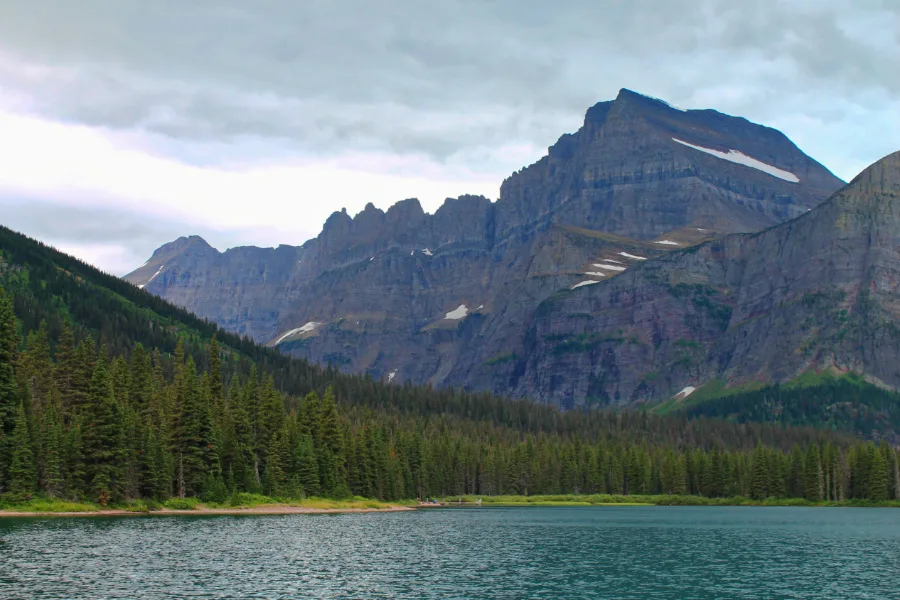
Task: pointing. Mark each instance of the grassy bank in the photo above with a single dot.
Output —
(237, 502)
(662, 500)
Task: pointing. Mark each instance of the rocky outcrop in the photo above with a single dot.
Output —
(467, 296)
(821, 291)
(624, 173)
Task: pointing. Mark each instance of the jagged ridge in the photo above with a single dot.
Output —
(372, 292)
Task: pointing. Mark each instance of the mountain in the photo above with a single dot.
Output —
(110, 394)
(455, 298)
(816, 293)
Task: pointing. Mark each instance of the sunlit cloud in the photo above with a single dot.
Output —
(250, 126)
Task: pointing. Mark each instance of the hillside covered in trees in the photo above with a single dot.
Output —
(845, 403)
(108, 393)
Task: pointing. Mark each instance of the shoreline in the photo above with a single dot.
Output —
(464, 502)
(273, 510)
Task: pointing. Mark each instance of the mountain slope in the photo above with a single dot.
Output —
(449, 298)
(48, 286)
(819, 292)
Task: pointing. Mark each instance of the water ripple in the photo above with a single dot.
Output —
(622, 552)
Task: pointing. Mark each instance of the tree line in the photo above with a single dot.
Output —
(79, 420)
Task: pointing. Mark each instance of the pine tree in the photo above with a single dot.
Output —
(65, 357)
(777, 476)
(795, 474)
(75, 474)
(151, 472)
(36, 368)
(271, 410)
(103, 437)
(52, 472)
(308, 466)
(878, 478)
(194, 444)
(273, 478)
(812, 475)
(22, 471)
(309, 414)
(82, 375)
(216, 390)
(140, 390)
(9, 396)
(759, 478)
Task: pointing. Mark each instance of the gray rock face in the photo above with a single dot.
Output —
(480, 294)
(820, 291)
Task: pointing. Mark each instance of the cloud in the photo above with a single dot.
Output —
(452, 95)
(75, 185)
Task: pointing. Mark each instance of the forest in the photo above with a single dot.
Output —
(109, 394)
(78, 422)
(847, 403)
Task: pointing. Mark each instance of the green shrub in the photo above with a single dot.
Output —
(182, 503)
(246, 500)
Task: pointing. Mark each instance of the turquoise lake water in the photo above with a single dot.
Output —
(615, 552)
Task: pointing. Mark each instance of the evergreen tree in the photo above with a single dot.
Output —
(273, 479)
(308, 466)
(52, 479)
(216, 389)
(65, 361)
(9, 397)
(140, 390)
(812, 475)
(759, 485)
(194, 444)
(878, 478)
(22, 471)
(103, 437)
(75, 475)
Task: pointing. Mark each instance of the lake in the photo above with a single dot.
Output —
(591, 552)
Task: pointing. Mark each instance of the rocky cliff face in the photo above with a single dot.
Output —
(475, 294)
(820, 291)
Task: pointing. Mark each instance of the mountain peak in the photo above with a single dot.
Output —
(638, 179)
(884, 175)
(872, 199)
(182, 244)
(626, 95)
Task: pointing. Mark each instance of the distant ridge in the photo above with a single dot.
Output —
(372, 292)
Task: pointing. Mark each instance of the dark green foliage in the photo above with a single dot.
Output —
(9, 397)
(847, 403)
(812, 474)
(307, 467)
(22, 471)
(51, 475)
(103, 438)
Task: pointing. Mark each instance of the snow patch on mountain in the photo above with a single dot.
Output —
(685, 392)
(143, 285)
(609, 267)
(459, 313)
(305, 329)
(742, 159)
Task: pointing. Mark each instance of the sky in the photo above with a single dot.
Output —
(125, 124)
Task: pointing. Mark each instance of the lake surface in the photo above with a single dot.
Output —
(599, 552)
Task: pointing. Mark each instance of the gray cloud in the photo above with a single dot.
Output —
(117, 239)
(457, 82)
(438, 78)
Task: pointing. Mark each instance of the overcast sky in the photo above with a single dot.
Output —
(127, 123)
